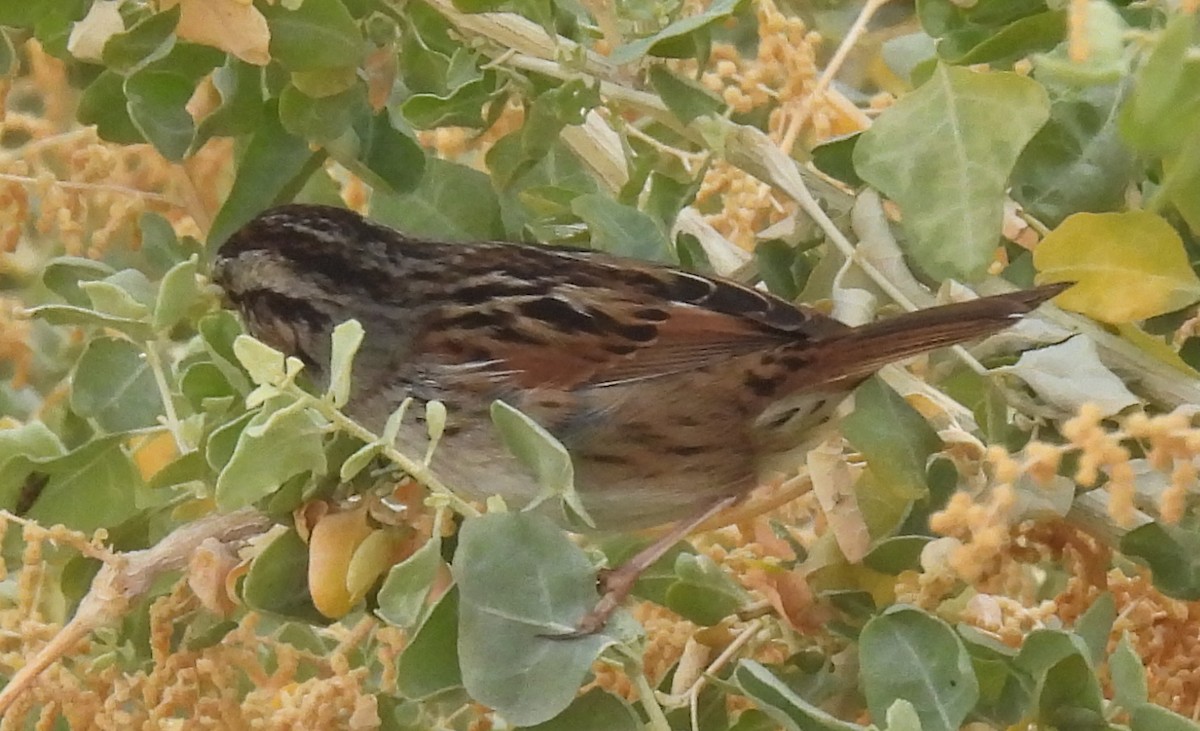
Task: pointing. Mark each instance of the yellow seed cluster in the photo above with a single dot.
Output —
(469, 146)
(60, 182)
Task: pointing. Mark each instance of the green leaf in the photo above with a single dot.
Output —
(112, 383)
(1162, 111)
(320, 119)
(104, 104)
(405, 590)
(902, 716)
(205, 380)
(271, 449)
(895, 439)
(523, 584)
(266, 365)
(240, 86)
(622, 230)
(161, 248)
(686, 99)
(1069, 696)
(595, 710)
(938, 153)
(8, 55)
(429, 664)
(318, 34)
(1077, 162)
(896, 554)
(835, 158)
(1040, 32)
(126, 294)
(452, 202)
(1130, 689)
(1095, 625)
(273, 163)
(63, 274)
(783, 704)
(69, 315)
(21, 448)
(359, 460)
(667, 41)
(462, 107)
(149, 39)
(912, 655)
(1173, 555)
(347, 337)
(1104, 33)
(176, 294)
(218, 331)
(1043, 649)
(386, 156)
(703, 593)
(278, 580)
(1149, 717)
(157, 102)
(544, 456)
(91, 487)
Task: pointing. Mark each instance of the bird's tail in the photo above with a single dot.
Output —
(863, 350)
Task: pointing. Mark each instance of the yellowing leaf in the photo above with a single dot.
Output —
(234, 26)
(330, 549)
(1127, 266)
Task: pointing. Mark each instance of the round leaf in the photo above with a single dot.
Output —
(941, 156)
(112, 383)
(523, 584)
(909, 654)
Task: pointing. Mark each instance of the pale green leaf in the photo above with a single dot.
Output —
(902, 716)
(543, 455)
(783, 704)
(113, 384)
(1070, 374)
(110, 298)
(359, 460)
(940, 155)
(406, 589)
(271, 449)
(92, 487)
(523, 585)
(917, 657)
(1149, 717)
(347, 337)
(429, 664)
(265, 364)
(1129, 685)
(176, 294)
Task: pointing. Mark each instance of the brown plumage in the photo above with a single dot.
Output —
(670, 389)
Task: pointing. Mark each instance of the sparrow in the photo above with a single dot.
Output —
(669, 389)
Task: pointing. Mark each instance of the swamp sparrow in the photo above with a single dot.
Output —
(668, 388)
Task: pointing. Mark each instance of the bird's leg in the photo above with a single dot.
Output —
(618, 583)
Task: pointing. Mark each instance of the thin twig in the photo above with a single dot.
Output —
(126, 577)
(164, 393)
(800, 116)
(415, 468)
(105, 187)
